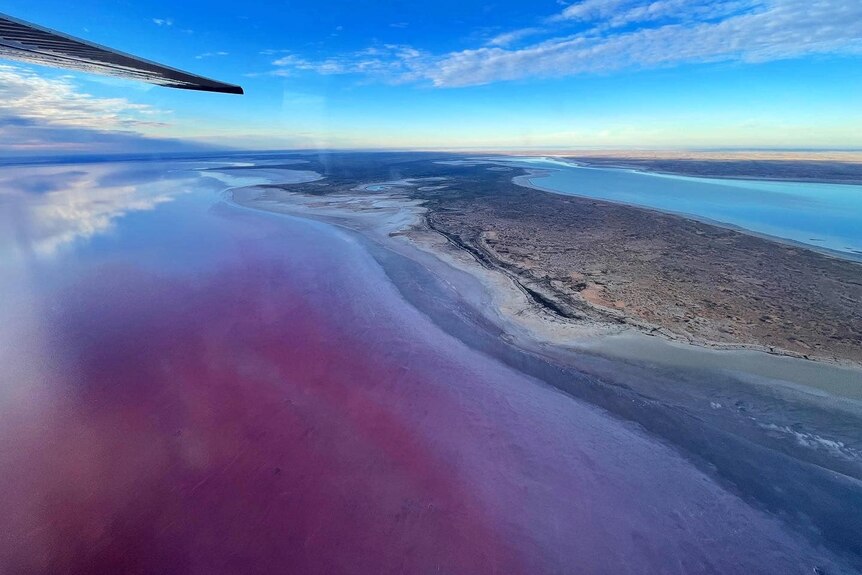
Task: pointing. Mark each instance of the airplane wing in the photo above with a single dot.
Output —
(33, 44)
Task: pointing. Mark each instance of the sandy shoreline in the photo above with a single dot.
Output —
(398, 222)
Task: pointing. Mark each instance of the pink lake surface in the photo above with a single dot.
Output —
(199, 388)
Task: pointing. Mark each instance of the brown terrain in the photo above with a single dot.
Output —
(686, 278)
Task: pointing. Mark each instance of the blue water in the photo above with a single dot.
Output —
(828, 216)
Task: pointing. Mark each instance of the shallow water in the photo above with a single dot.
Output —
(827, 216)
(187, 386)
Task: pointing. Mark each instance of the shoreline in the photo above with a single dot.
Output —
(709, 164)
(387, 216)
(686, 167)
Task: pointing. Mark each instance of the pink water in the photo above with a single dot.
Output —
(205, 389)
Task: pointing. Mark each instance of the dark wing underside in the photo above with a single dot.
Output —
(36, 45)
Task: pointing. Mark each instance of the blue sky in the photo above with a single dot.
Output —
(512, 74)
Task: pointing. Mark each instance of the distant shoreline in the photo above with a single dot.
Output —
(808, 169)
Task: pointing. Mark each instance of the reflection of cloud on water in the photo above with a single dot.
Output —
(45, 208)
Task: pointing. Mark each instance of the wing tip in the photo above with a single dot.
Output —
(220, 88)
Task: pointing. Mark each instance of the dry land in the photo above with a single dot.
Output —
(663, 272)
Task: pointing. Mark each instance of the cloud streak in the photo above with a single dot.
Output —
(771, 31)
(394, 63)
(508, 38)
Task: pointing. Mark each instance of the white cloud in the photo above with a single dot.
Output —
(27, 95)
(41, 115)
(211, 55)
(607, 35)
(167, 22)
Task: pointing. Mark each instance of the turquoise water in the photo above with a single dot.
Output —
(828, 216)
